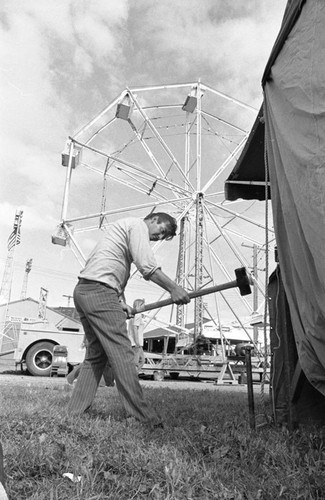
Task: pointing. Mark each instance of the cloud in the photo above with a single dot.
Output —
(63, 61)
(48, 49)
(225, 43)
(39, 95)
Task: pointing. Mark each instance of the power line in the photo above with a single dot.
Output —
(48, 271)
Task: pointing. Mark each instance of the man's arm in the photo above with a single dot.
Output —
(177, 293)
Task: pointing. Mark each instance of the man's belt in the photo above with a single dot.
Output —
(84, 281)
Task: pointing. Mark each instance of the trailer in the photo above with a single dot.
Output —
(216, 368)
(35, 343)
(222, 369)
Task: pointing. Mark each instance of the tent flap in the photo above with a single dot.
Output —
(247, 180)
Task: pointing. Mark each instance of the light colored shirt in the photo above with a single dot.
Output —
(123, 242)
(135, 330)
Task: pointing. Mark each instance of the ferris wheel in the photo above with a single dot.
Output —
(170, 148)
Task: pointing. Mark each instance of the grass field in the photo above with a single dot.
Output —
(206, 450)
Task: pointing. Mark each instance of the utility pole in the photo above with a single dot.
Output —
(28, 268)
(255, 287)
(69, 297)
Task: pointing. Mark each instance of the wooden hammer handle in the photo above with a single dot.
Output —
(243, 281)
(192, 295)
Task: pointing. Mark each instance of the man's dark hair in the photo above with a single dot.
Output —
(171, 224)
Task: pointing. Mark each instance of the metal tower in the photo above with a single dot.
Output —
(13, 241)
(5, 291)
(180, 317)
(198, 307)
(28, 268)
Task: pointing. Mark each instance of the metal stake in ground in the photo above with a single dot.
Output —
(243, 281)
(250, 393)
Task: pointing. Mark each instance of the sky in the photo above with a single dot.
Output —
(63, 61)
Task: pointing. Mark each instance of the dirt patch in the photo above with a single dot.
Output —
(202, 385)
(29, 381)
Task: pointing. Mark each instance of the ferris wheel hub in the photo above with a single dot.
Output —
(197, 194)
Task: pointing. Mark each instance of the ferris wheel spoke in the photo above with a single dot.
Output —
(141, 186)
(136, 182)
(225, 122)
(146, 148)
(245, 263)
(224, 165)
(233, 247)
(123, 209)
(99, 131)
(238, 215)
(213, 255)
(242, 236)
(227, 274)
(226, 238)
(136, 169)
(152, 156)
(88, 125)
(161, 141)
(229, 98)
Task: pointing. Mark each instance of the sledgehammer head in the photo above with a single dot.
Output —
(244, 281)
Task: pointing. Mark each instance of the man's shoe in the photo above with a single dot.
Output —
(156, 425)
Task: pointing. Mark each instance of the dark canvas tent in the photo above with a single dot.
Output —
(293, 126)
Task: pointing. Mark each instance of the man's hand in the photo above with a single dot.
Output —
(127, 309)
(179, 295)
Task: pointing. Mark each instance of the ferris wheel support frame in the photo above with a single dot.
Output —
(185, 194)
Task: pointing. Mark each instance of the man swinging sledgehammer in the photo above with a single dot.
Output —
(99, 300)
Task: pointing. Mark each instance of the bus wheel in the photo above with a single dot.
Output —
(158, 376)
(39, 359)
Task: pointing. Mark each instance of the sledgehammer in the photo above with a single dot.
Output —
(243, 281)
